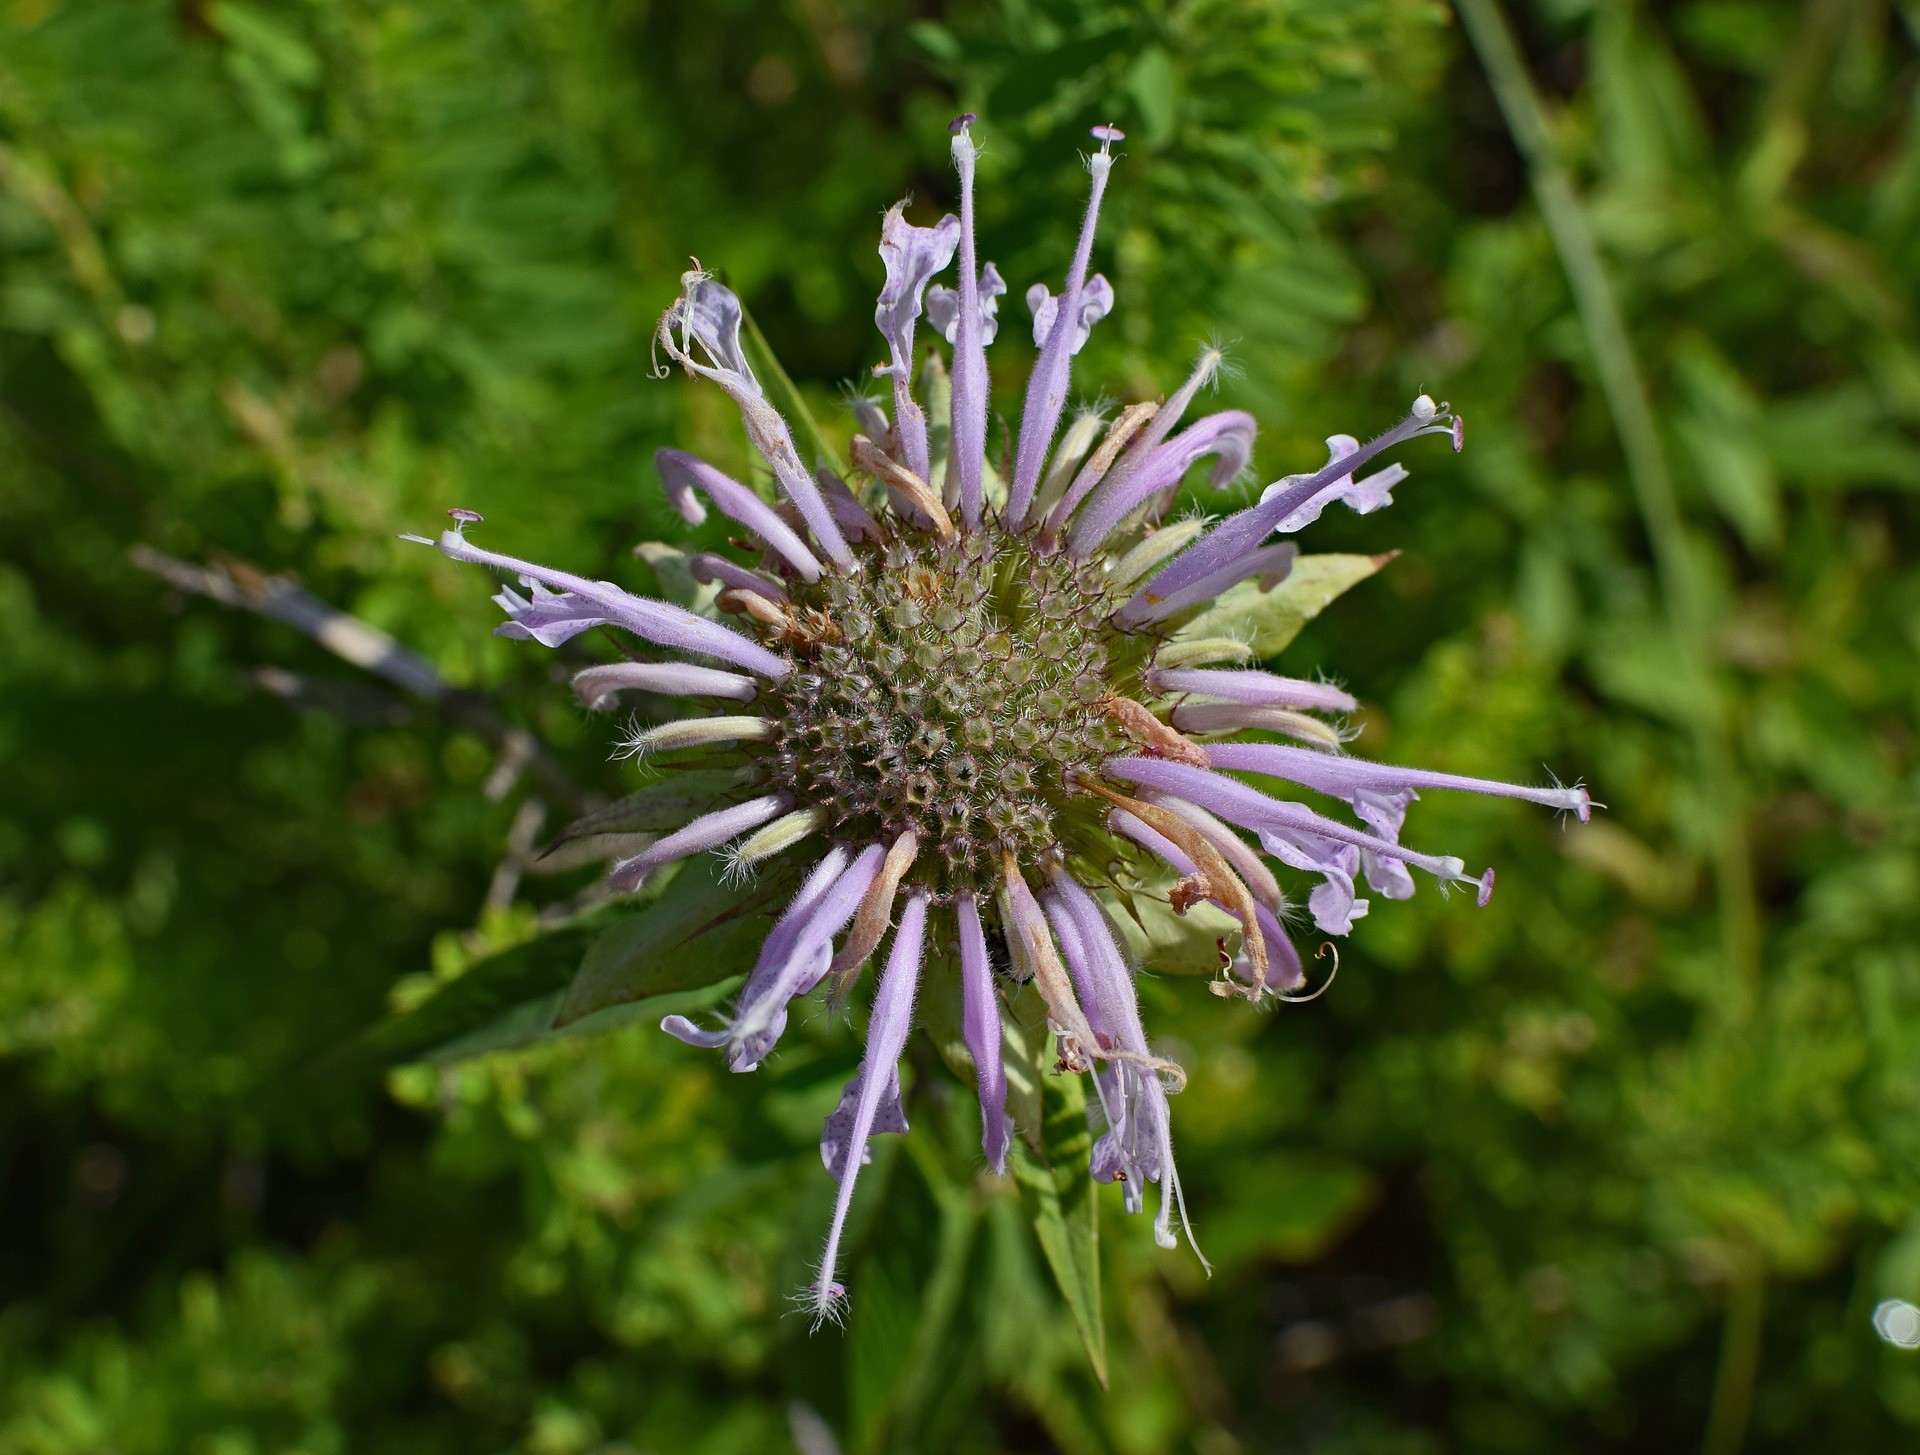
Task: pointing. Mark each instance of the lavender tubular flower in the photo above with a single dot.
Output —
(1343, 777)
(1290, 499)
(980, 1026)
(912, 255)
(968, 440)
(956, 702)
(1227, 436)
(597, 686)
(683, 475)
(1063, 334)
(877, 1084)
(657, 621)
(1252, 689)
(1137, 1147)
(708, 316)
(709, 831)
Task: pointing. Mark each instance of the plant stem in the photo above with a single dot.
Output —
(1739, 1365)
(1624, 387)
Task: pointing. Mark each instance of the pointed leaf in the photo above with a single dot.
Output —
(696, 931)
(488, 990)
(1057, 1191)
(1269, 620)
(669, 804)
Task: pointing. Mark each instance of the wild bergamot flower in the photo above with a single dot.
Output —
(962, 691)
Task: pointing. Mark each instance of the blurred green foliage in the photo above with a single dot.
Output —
(1628, 1155)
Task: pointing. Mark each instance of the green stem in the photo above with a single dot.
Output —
(1739, 1366)
(1625, 390)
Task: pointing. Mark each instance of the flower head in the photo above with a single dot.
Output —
(969, 710)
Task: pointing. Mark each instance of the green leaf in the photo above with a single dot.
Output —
(1269, 620)
(1058, 1191)
(699, 930)
(1161, 942)
(489, 990)
(668, 804)
(534, 1021)
(1154, 82)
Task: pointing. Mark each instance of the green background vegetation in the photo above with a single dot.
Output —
(1622, 1162)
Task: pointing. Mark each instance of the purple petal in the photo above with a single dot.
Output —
(709, 316)
(548, 617)
(597, 686)
(682, 1029)
(887, 1031)
(1096, 302)
(709, 831)
(912, 256)
(686, 476)
(980, 1024)
(1052, 371)
(1238, 534)
(655, 621)
(1251, 688)
(836, 1141)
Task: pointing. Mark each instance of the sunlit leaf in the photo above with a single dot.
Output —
(1161, 942)
(1269, 620)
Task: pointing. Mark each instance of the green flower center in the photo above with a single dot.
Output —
(952, 688)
